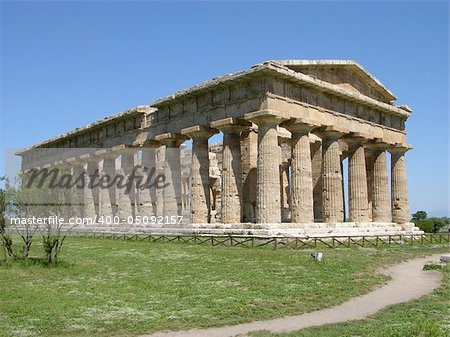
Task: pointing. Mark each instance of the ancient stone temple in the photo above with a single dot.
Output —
(287, 127)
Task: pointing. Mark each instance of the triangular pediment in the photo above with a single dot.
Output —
(346, 74)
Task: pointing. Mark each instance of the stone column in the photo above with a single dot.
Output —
(201, 197)
(79, 180)
(91, 194)
(357, 179)
(126, 194)
(160, 159)
(147, 189)
(342, 157)
(172, 170)
(232, 203)
(399, 184)
(316, 161)
(268, 170)
(302, 204)
(332, 200)
(381, 206)
(369, 170)
(249, 157)
(284, 191)
(107, 197)
(186, 166)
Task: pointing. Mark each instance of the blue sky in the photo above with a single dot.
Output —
(66, 64)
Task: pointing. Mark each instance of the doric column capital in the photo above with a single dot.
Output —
(147, 143)
(299, 125)
(399, 148)
(356, 139)
(343, 148)
(58, 164)
(75, 162)
(89, 158)
(377, 144)
(171, 139)
(198, 131)
(331, 132)
(314, 140)
(266, 117)
(106, 154)
(283, 140)
(123, 149)
(231, 125)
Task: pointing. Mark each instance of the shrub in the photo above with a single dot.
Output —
(426, 225)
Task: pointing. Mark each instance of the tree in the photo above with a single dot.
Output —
(419, 215)
(439, 223)
(42, 209)
(6, 241)
(20, 205)
(64, 203)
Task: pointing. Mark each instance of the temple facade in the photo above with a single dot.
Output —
(287, 128)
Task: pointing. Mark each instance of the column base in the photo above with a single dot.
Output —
(309, 230)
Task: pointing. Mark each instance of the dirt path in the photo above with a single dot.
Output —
(408, 282)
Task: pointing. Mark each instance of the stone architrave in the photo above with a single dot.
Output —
(201, 197)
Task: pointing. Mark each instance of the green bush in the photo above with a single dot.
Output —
(439, 223)
(426, 225)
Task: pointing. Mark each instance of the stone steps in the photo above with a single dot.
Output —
(288, 230)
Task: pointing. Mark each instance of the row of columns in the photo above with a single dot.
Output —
(314, 193)
(366, 184)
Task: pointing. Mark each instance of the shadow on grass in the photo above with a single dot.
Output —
(37, 261)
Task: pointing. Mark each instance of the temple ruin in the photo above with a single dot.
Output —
(287, 127)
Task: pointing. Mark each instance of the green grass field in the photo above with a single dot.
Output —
(107, 287)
